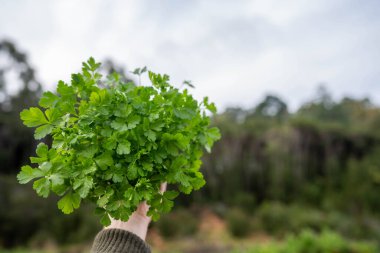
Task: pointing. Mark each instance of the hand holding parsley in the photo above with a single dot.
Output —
(114, 143)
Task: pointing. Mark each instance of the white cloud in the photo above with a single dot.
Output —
(234, 51)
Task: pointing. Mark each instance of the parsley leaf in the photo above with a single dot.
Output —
(28, 173)
(33, 117)
(69, 202)
(124, 148)
(48, 99)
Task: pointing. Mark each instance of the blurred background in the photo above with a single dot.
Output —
(297, 86)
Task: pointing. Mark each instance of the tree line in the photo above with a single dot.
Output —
(325, 155)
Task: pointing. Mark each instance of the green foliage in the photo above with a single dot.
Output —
(238, 223)
(178, 223)
(28, 220)
(310, 242)
(114, 143)
(243, 200)
(279, 219)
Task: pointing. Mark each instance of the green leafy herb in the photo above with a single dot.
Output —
(114, 143)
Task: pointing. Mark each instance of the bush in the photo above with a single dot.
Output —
(274, 217)
(301, 217)
(277, 218)
(238, 223)
(178, 223)
(308, 241)
(311, 242)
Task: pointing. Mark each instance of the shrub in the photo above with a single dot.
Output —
(238, 222)
(277, 218)
(310, 242)
(302, 217)
(274, 217)
(179, 223)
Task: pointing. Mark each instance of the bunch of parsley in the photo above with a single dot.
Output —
(114, 143)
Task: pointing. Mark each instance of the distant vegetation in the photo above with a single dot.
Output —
(274, 172)
(308, 241)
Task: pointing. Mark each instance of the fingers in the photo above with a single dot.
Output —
(143, 208)
(163, 187)
(139, 216)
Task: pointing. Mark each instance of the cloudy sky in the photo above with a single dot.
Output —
(234, 51)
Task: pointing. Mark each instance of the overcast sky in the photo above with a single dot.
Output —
(234, 51)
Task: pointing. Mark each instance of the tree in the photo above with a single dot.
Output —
(272, 106)
(19, 88)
